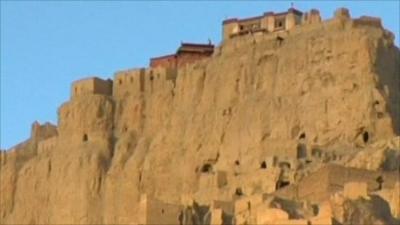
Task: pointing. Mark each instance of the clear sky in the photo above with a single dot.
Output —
(45, 45)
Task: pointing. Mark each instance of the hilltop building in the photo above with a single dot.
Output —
(268, 22)
(186, 53)
(164, 69)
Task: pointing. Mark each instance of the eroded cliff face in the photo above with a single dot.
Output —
(331, 86)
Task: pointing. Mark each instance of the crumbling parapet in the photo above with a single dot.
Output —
(229, 27)
(47, 145)
(293, 18)
(40, 132)
(91, 86)
(137, 81)
(159, 77)
(342, 14)
(268, 21)
(128, 82)
(86, 119)
(311, 17)
(367, 21)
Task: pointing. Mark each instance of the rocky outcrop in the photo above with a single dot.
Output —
(213, 132)
(381, 155)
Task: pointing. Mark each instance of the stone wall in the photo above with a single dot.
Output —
(47, 145)
(90, 86)
(128, 82)
(40, 132)
(319, 185)
(311, 17)
(156, 78)
(153, 211)
(88, 119)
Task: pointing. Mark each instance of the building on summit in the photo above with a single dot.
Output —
(186, 53)
(268, 22)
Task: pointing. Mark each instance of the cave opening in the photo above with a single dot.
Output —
(206, 168)
(301, 151)
(281, 184)
(263, 165)
(365, 136)
(239, 191)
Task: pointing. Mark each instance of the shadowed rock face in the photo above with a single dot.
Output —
(334, 82)
(374, 211)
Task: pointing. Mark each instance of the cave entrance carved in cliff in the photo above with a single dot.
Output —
(365, 136)
(263, 165)
(281, 184)
(206, 168)
(301, 151)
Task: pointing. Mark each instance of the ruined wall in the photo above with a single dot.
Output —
(157, 78)
(47, 145)
(292, 20)
(41, 132)
(89, 86)
(229, 28)
(319, 186)
(86, 119)
(311, 17)
(129, 82)
(157, 212)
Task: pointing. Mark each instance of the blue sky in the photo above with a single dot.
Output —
(45, 45)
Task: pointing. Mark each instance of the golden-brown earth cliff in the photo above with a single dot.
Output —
(333, 84)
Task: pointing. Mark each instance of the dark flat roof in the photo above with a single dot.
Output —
(230, 20)
(197, 45)
(163, 57)
(251, 18)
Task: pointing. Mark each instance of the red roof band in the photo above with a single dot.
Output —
(192, 48)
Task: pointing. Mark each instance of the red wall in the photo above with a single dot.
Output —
(178, 60)
(167, 61)
(190, 57)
